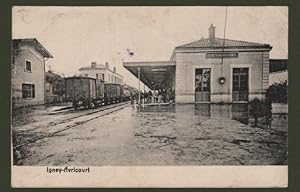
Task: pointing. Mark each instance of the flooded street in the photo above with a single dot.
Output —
(200, 134)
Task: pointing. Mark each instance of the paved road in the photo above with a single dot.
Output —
(165, 136)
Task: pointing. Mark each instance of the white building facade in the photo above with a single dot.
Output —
(28, 72)
(103, 72)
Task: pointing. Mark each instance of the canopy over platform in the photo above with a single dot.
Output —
(156, 75)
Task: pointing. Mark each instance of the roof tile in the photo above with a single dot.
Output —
(218, 43)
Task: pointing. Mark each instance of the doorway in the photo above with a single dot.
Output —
(240, 84)
(202, 85)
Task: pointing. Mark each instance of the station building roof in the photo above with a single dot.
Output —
(152, 74)
(218, 43)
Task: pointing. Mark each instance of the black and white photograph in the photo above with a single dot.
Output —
(157, 86)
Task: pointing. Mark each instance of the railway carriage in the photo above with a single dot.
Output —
(89, 92)
(81, 91)
(100, 100)
(113, 93)
(128, 92)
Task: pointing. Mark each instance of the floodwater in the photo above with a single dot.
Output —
(239, 112)
(212, 134)
(201, 134)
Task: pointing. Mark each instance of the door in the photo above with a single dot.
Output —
(240, 84)
(202, 85)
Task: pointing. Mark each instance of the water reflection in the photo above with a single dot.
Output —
(247, 114)
(240, 112)
(253, 115)
(156, 108)
(203, 109)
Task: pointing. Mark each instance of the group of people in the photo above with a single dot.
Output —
(155, 96)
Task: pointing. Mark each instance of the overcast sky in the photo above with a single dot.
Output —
(75, 36)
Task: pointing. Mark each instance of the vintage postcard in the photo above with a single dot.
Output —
(160, 96)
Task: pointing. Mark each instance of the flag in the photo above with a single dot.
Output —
(130, 53)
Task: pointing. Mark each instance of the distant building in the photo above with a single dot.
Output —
(100, 71)
(210, 70)
(278, 71)
(55, 88)
(28, 72)
(277, 65)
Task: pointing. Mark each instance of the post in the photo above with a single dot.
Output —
(144, 95)
(139, 75)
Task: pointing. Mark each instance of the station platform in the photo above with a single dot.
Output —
(155, 104)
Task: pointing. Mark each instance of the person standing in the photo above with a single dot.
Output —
(149, 96)
(159, 96)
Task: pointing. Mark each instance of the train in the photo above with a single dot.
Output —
(89, 92)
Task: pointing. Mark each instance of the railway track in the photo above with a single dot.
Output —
(72, 122)
(77, 116)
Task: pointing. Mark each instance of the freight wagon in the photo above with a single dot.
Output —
(89, 92)
(113, 93)
(128, 92)
(81, 91)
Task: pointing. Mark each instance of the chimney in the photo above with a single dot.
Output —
(93, 64)
(114, 69)
(211, 33)
(106, 65)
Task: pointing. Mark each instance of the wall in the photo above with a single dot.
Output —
(36, 76)
(107, 73)
(186, 63)
(91, 72)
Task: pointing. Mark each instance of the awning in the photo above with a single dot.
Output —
(156, 75)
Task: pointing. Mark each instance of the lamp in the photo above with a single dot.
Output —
(221, 80)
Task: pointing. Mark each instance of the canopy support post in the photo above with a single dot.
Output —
(139, 75)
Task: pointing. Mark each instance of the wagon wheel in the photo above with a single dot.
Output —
(75, 105)
(91, 105)
(96, 104)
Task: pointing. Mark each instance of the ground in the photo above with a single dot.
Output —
(123, 134)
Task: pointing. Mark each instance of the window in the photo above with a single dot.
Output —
(27, 90)
(86, 75)
(100, 76)
(27, 65)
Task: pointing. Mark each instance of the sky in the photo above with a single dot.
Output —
(76, 36)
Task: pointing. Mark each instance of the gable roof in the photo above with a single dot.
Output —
(218, 43)
(34, 42)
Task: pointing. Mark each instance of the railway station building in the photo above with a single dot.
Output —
(100, 71)
(210, 70)
(28, 72)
